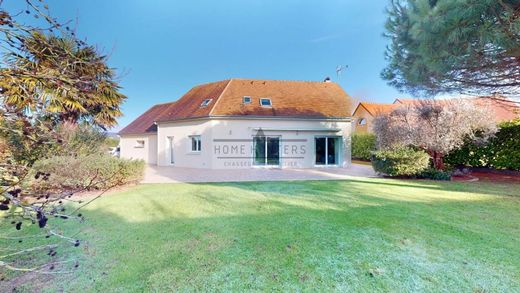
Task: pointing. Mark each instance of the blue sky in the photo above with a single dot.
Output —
(162, 48)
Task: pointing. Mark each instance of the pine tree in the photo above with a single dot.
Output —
(454, 46)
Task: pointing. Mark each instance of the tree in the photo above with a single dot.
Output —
(49, 80)
(447, 46)
(438, 127)
(53, 71)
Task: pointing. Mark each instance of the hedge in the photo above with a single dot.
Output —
(500, 152)
(434, 174)
(362, 146)
(400, 162)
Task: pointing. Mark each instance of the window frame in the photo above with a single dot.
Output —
(206, 102)
(244, 100)
(139, 144)
(195, 141)
(265, 142)
(362, 121)
(170, 149)
(266, 99)
(338, 157)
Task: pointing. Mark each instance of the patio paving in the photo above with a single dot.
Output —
(157, 174)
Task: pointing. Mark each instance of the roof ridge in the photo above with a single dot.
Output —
(362, 105)
(283, 80)
(166, 103)
(220, 96)
(207, 83)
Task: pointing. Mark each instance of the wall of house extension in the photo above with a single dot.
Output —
(360, 113)
(180, 134)
(228, 143)
(143, 147)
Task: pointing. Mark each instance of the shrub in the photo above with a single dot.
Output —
(69, 172)
(434, 174)
(400, 162)
(362, 146)
(82, 139)
(501, 152)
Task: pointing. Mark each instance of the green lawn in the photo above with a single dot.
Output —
(358, 235)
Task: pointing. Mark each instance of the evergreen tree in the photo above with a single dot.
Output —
(463, 46)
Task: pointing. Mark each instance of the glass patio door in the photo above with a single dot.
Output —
(266, 151)
(327, 150)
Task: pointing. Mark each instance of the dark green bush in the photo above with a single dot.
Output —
(72, 172)
(434, 174)
(362, 146)
(500, 152)
(400, 162)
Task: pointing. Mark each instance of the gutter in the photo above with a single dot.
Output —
(244, 117)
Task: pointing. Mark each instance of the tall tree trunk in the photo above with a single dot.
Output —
(438, 160)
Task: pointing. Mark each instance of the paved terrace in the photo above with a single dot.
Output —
(156, 174)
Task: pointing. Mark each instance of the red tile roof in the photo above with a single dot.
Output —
(288, 98)
(146, 122)
(375, 109)
(300, 99)
(188, 106)
(503, 108)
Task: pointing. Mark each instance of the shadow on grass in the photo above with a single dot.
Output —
(321, 235)
(489, 188)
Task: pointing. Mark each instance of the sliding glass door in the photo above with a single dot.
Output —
(327, 150)
(266, 151)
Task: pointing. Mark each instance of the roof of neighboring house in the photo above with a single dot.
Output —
(374, 109)
(296, 99)
(405, 101)
(505, 109)
(146, 122)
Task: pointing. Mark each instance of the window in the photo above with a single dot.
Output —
(327, 150)
(362, 121)
(139, 144)
(264, 102)
(195, 143)
(170, 149)
(205, 102)
(266, 151)
(246, 100)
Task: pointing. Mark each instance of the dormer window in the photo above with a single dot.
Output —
(264, 102)
(205, 103)
(246, 100)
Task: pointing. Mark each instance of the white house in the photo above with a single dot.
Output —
(242, 123)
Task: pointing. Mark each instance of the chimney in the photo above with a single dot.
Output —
(327, 79)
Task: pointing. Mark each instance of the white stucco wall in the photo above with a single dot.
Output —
(130, 149)
(181, 132)
(227, 143)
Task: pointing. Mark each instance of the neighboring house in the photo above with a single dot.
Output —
(502, 108)
(364, 114)
(242, 123)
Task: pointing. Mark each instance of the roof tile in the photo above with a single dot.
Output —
(289, 99)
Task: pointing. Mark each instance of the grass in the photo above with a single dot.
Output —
(357, 235)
